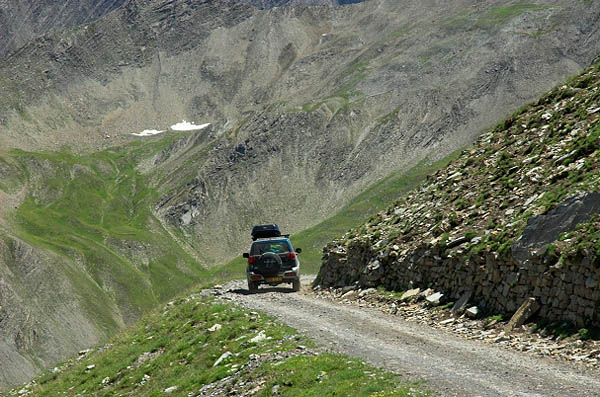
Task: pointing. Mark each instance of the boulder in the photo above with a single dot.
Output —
(411, 293)
(545, 229)
(349, 288)
(461, 304)
(472, 312)
(435, 299)
(260, 337)
(366, 292)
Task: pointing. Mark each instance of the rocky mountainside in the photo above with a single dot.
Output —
(266, 4)
(515, 217)
(22, 21)
(308, 105)
(386, 97)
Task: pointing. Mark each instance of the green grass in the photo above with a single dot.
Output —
(376, 198)
(497, 16)
(180, 350)
(501, 15)
(341, 99)
(96, 211)
(328, 375)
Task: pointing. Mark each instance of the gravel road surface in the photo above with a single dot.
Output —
(450, 365)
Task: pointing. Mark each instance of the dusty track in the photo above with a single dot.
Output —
(451, 366)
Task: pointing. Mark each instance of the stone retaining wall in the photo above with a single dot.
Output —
(567, 292)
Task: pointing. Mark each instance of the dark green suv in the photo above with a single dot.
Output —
(273, 261)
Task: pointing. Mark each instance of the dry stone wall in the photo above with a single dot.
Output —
(566, 291)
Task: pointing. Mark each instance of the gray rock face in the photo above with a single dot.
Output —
(546, 228)
(22, 21)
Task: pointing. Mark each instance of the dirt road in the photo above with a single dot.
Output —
(452, 366)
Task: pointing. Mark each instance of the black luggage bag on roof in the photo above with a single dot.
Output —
(265, 231)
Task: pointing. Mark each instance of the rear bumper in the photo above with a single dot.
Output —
(286, 276)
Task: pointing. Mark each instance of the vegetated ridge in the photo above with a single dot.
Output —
(514, 217)
(82, 255)
(200, 346)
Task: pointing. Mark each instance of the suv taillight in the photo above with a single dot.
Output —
(291, 256)
(252, 259)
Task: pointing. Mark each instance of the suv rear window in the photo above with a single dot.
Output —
(278, 247)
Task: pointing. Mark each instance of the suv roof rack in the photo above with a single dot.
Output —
(274, 237)
(265, 231)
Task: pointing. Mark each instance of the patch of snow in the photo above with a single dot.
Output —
(187, 126)
(149, 132)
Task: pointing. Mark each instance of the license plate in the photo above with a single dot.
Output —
(274, 279)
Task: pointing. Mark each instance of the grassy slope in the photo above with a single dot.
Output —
(180, 351)
(377, 197)
(96, 210)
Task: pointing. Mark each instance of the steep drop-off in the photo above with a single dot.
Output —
(82, 255)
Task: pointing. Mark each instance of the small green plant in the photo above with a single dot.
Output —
(461, 204)
(500, 15)
(497, 317)
(444, 239)
(444, 307)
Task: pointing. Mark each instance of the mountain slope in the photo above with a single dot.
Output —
(22, 21)
(309, 106)
(385, 108)
(265, 4)
(83, 255)
(514, 217)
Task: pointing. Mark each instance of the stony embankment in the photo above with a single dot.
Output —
(413, 306)
(513, 218)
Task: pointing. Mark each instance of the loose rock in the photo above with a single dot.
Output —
(527, 309)
(223, 357)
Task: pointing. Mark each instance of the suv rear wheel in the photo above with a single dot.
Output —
(252, 286)
(296, 285)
